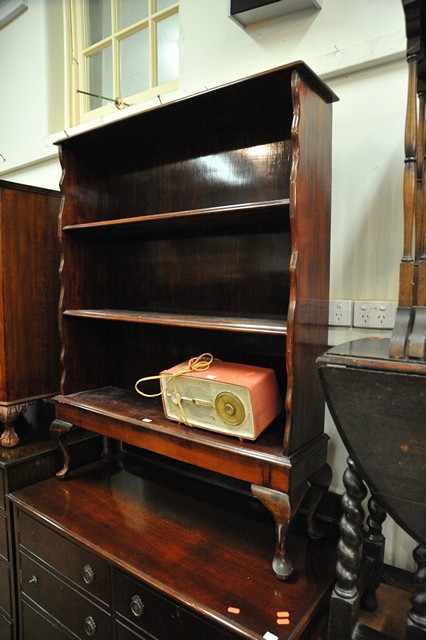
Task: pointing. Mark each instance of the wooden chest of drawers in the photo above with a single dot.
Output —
(114, 555)
(36, 459)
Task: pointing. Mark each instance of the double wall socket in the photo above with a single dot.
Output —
(372, 314)
(365, 314)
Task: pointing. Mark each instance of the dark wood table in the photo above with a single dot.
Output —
(379, 407)
(147, 549)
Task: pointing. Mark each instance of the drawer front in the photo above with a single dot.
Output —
(6, 629)
(5, 602)
(74, 611)
(193, 627)
(148, 610)
(36, 627)
(82, 567)
(3, 537)
(124, 633)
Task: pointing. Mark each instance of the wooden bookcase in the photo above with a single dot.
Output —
(203, 225)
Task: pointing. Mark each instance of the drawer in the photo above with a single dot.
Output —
(147, 609)
(6, 629)
(124, 633)
(3, 537)
(36, 627)
(75, 612)
(192, 626)
(5, 602)
(79, 565)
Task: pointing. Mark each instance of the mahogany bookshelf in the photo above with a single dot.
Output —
(203, 225)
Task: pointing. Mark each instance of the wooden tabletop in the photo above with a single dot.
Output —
(203, 546)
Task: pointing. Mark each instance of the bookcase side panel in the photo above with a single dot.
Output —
(311, 210)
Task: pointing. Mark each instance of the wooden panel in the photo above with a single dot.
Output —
(30, 258)
(232, 275)
(82, 567)
(386, 404)
(62, 602)
(119, 414)
(6, 629)
(164, 521)
(5, 587)
(124, 633)
(310, 211)
(192, 627)
(3, 537)
(36, 627)
(152, 613)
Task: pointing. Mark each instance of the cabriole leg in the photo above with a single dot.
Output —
(58, 429)
(344, 604)
(278, 504)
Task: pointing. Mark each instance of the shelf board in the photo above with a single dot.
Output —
(267, 326)
(212, 217)
(138, 421)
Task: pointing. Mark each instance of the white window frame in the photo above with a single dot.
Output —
(76, 55)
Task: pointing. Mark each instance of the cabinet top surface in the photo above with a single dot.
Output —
(207, 552)
(265, 81)
(36, 444)
(16, 186)
(370, 353)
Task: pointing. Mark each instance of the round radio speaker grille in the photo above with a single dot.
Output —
(230, 409)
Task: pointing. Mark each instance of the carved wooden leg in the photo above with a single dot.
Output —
(9, 414)
(416, 623)
(344, 604)
(58, 429)
(319, 484)
(279, 506)
(374, 549)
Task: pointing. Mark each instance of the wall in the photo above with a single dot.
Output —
(31, 73)
(357, 46)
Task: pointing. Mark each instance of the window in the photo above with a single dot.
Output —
(120, 49)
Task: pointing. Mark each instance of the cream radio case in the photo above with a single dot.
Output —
(234, 399)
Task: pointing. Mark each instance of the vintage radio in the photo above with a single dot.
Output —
(235, 399)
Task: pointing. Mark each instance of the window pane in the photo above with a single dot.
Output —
(131, 11)
(98, 15)
(134, 63)
(100, 77)
(163, 4)
(168, 49)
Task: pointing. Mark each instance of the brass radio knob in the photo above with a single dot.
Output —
(230, 409)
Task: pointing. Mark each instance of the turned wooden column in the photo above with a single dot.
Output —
(344, 604)
(374, 550)
(416, 622)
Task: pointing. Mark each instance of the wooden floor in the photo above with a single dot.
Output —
(391, 615)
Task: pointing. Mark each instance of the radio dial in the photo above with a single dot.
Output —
(230, 409)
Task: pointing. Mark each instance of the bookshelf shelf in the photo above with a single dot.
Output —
(239, 325)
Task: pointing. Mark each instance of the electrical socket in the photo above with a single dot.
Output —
(340, 313)
(372, 314)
